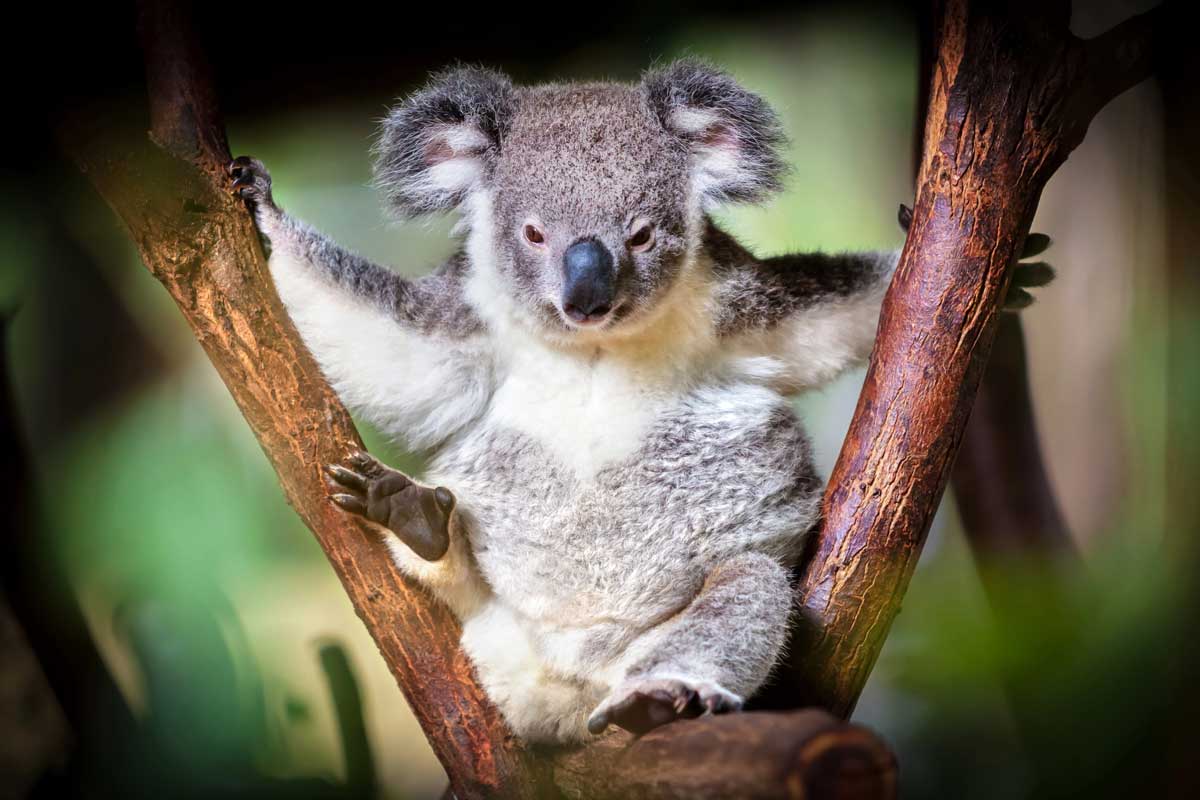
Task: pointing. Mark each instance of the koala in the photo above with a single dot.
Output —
(601, 378)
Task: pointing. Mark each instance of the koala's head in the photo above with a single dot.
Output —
(590, 196)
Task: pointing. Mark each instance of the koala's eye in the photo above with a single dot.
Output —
(533, 234)
(642, 238)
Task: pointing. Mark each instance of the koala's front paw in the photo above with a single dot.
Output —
(418, 515)
(1028, 275)
(1025, 275)
(642, 704)
(251, 181)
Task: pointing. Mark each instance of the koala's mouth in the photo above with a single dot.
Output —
(598, 319)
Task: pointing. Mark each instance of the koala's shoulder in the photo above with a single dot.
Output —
(743, 292)
(438, 304)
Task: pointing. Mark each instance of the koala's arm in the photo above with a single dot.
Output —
(814, 313)
(832, 326)
(818, 314)
(409, 355)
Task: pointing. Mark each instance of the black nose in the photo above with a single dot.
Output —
(588, 281)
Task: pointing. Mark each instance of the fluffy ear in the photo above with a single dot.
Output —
(733, 134)
(439, 144)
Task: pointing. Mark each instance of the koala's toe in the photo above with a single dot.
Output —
(644, 706)
(1035, 244)
(718, 701)
(251, 181)
(349, 502)
(346, 477)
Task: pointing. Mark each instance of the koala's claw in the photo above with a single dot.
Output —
(418, 515)
(349, 502)
(251, 181)
(1029, 275)
(641, 706)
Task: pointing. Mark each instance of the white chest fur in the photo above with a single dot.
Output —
(585, 409)
(589, 406)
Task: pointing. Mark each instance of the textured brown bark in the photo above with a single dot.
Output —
(1013, 92)
(1000, 481)
(171, 194)
(801, 754)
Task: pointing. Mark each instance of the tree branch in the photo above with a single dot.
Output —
(750, 755)
(1011, 98)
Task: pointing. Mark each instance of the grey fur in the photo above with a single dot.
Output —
(430, 304)
(742, 117)
(632, 496)
(408, 143)
(756, 294)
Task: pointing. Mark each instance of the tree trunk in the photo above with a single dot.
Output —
(1013, 92)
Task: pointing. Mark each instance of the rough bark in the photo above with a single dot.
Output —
(1013, 92)
(801, 754)
(1000, 480)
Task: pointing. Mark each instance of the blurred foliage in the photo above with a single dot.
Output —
(170, 518)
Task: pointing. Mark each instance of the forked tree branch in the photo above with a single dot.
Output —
(1013, 93)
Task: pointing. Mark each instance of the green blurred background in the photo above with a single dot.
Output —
(173, 530)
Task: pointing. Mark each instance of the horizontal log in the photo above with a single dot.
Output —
(798, 754)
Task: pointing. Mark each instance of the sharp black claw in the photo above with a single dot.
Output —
(683, 700)
(1037, 273)
(904, 216)
(345, 477)
(349, 502)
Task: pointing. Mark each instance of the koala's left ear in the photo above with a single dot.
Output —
(733, 134)
(439, 144)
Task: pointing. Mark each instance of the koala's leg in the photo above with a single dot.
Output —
(710, 656)
(425, 534)
(539, 706)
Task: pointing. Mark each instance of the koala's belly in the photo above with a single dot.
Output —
(722, 470)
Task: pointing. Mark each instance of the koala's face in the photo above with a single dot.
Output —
(593, 192)
(590, 206)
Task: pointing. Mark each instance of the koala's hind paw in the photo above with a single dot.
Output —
(251, 181)
(418, 515)
(640, 705)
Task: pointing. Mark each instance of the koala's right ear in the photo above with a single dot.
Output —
(439, 144)
(733, 134)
